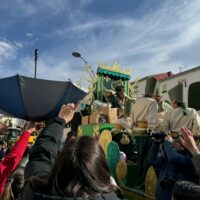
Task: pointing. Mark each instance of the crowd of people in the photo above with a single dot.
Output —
(164, 121)
(80, 169)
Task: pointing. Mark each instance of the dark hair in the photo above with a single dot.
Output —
(80, 170)
(14, 185)
(148, 95)
(70, 135)
(2, 142)
(185, 190)
(119, 88)
(181, 105)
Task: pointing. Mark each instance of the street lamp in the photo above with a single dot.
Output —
(36, 58)
(78, 55)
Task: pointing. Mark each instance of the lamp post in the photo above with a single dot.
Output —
(78, 55)
(35, 59)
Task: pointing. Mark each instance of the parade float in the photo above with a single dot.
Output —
(100, 121)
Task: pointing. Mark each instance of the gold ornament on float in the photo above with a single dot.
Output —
(104, 140)
(121, 170)
(150, 183)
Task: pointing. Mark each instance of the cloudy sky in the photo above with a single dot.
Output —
(149, 36)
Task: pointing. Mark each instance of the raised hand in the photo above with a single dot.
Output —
(67, 112)
(187, 140)
(30, 126)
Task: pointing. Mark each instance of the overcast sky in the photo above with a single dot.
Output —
(149, 36)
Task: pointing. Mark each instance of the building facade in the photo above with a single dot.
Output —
(168, 80)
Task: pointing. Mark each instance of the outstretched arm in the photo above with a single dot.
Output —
(10, 161)
(44, 152)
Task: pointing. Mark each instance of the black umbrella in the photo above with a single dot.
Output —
(36, 99)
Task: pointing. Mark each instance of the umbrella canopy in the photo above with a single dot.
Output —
(36, 99)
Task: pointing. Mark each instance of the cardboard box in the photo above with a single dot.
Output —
(108, 115)
(111, 114)
(94, 118)
(108, 110)
(85, 120)
(112, 118)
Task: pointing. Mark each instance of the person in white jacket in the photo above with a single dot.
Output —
(180, 115)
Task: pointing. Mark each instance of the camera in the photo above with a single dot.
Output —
(158, 135)
(168, 183)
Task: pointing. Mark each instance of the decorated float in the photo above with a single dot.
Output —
(101, 121)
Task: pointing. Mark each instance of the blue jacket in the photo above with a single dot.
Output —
(170, 165)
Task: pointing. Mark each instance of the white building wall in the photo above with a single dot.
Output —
(139, 88)
(187, 77)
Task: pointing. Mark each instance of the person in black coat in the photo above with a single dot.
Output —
(79, 172)
(172, 162)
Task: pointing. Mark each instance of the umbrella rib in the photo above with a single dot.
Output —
(20, 91)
